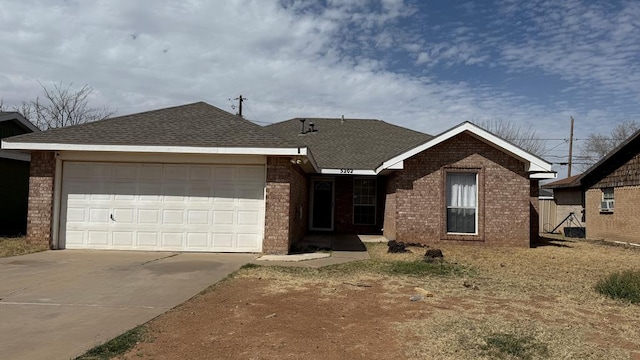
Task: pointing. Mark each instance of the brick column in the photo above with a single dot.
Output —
(534, 212)
(278, 198)
(41, 179)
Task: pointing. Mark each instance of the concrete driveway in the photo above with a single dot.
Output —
(58, 304)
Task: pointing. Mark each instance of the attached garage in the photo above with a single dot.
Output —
(186, 178)
(150, 206)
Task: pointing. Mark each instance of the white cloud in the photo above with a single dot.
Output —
(294, 58)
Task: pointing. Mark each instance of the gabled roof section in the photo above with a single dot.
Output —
(18, 119)
(19, 125)
(360, 145)
(569, 182)
(612, 161)
(192, 128)
(536, 166)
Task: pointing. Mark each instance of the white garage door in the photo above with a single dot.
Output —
(162, 207)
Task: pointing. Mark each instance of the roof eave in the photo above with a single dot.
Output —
(10, 145)
(20, 119)
(536, 166)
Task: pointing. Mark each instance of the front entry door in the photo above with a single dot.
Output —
(322, 204)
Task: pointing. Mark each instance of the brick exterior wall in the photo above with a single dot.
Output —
(389, 224)
(622, 173)
(505, 196)
(286, 205)
(623, 224)
(41, 187)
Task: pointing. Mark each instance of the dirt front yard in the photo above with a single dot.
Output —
(489, 303)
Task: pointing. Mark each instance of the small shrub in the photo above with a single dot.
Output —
(624, 285)
(499, 345)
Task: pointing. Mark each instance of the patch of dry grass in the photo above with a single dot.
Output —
(543, 295)
(15, 246)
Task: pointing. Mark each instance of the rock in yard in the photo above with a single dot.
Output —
(471, 286)
(396, 247)
(416, 298)
(433, 255)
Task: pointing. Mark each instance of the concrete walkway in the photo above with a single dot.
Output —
(344, 249)
(58, 304)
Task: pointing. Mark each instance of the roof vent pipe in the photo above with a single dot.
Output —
(311, 127)
(342, 121)
(302, 123)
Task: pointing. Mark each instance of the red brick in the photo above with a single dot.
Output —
(506, 198)
(41, 187)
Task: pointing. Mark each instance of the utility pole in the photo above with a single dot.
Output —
(570, 149)
(240, 100)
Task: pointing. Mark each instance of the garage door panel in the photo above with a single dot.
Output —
(74, 238)
(198, 217)
(126, 172)
(247, 217)
(78, 215)
(176, 172)
(173, 216)
(196, 241)
(123, 216)
(224, 173)
(222, 217)
(98, 238)
(149, 216)
(222, 240)
(163, 207)
(173, 240)
(99, 215)
(251, 173)
(200, 173)
(123, 238)
(148, 239)
(247, 241)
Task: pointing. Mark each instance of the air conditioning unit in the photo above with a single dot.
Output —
(606, 206)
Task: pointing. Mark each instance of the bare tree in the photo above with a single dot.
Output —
(62, 106)
(523, 136)
(598, 145)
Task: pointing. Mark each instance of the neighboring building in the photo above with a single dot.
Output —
(14, 177)
(196, 178)
(568, 198)
(612, 193)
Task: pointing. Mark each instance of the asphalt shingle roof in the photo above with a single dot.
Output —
(361, 144)
(193, 125)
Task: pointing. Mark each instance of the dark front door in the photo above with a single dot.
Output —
(322, 205)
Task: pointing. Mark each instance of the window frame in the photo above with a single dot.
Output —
(477, 203)
(608, 196)
(374, 205)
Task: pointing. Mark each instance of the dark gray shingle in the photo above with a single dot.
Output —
(194, 125)
(361, 144)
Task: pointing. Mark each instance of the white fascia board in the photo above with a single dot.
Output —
(543, 175)
(348, 172)
(156, 149)
(14, 155)
(397, 166)
(534, 163)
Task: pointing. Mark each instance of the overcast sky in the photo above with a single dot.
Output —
(425, 65)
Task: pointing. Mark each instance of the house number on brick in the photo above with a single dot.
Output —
(346, 171)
